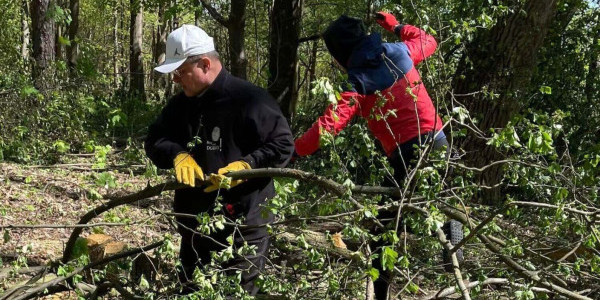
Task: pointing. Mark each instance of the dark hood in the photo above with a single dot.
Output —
(367, 53)
(342, 36)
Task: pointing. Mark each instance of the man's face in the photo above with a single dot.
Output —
(192, 77)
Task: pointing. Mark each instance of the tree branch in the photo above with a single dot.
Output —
(457, 274)
(62, 226)
(214, 13)
(39, 289)
(531, 275)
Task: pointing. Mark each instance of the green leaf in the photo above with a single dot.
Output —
(61, 146)
(144, 285)
(561, 194)
(373, 273)
(546, 90)
(64, 41)
(404, 262)
(389, 257)
(412, 288)
(7, 237)
(29, 91)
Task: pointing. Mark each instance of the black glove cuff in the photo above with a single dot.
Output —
(397, 29)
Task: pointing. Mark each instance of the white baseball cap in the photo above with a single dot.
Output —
(183, 42)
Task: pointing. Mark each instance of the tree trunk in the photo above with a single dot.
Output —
(161, 44)
(115, 57)
(283, 53)
(237, 32)
(123, 67)
(593, 75)
(58, 51)
(136, 66)
(197, 12)
(43, 43)
(25, 31)
(57, 44)
(73, 48)
(501, 61)
(312, 68)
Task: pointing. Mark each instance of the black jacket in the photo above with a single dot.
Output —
(234, 120)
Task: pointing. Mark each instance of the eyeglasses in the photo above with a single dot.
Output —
(177, 73)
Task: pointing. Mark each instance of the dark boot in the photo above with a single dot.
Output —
(454, 233)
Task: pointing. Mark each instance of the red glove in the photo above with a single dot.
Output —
(386, 20)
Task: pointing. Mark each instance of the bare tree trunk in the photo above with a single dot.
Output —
(136, 66)
(237, 32)
(123, 67)
(593, 75)
(43, 43)
(501, 60)
(312, 67)
(283, 53)
(369, 12)
(161, 44)
(170, 25)
(58, 51)
(236, 29)
(115, 57)
(73, 48)
(25, 30)
(197, 12)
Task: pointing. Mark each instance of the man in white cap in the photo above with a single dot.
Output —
(218, 124)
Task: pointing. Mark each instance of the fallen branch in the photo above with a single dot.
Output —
(151, 191)
(442, 294)
(63, 225)
(317, 240)
(531, 275)
(455, 266)
(147, 192)
(39, 289)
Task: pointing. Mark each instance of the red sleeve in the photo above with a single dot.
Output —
(420, 44)
(333, 120)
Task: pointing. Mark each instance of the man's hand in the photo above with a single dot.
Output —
(217, 179)
(386, 20)
(186, 169)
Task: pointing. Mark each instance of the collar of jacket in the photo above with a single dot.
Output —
(367, 53)
(215, 91)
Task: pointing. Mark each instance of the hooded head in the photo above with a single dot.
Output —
(342, 36)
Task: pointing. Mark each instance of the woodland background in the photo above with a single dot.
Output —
(516, 82)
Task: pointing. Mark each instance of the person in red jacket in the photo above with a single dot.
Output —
(376, 70)
(385, 89)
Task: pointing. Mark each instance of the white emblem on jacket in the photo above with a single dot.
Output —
(215, 144)
(216, 134)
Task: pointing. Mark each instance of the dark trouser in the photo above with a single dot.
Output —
(405, 155)
(195, 252)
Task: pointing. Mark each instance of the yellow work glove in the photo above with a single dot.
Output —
(186, 169)
(217, 179)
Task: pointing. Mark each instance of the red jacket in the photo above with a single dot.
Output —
(407, 110)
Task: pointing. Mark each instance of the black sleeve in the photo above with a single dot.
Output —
(161, 144)
(264, 122)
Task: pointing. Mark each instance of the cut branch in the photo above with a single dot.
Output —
(39, 289)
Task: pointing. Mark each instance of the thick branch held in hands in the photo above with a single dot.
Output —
(151, 191)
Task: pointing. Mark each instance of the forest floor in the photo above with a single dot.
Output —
(52, 196)
(59, 195)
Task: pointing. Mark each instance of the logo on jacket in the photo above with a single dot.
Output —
(215, 144)
(216, 134)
